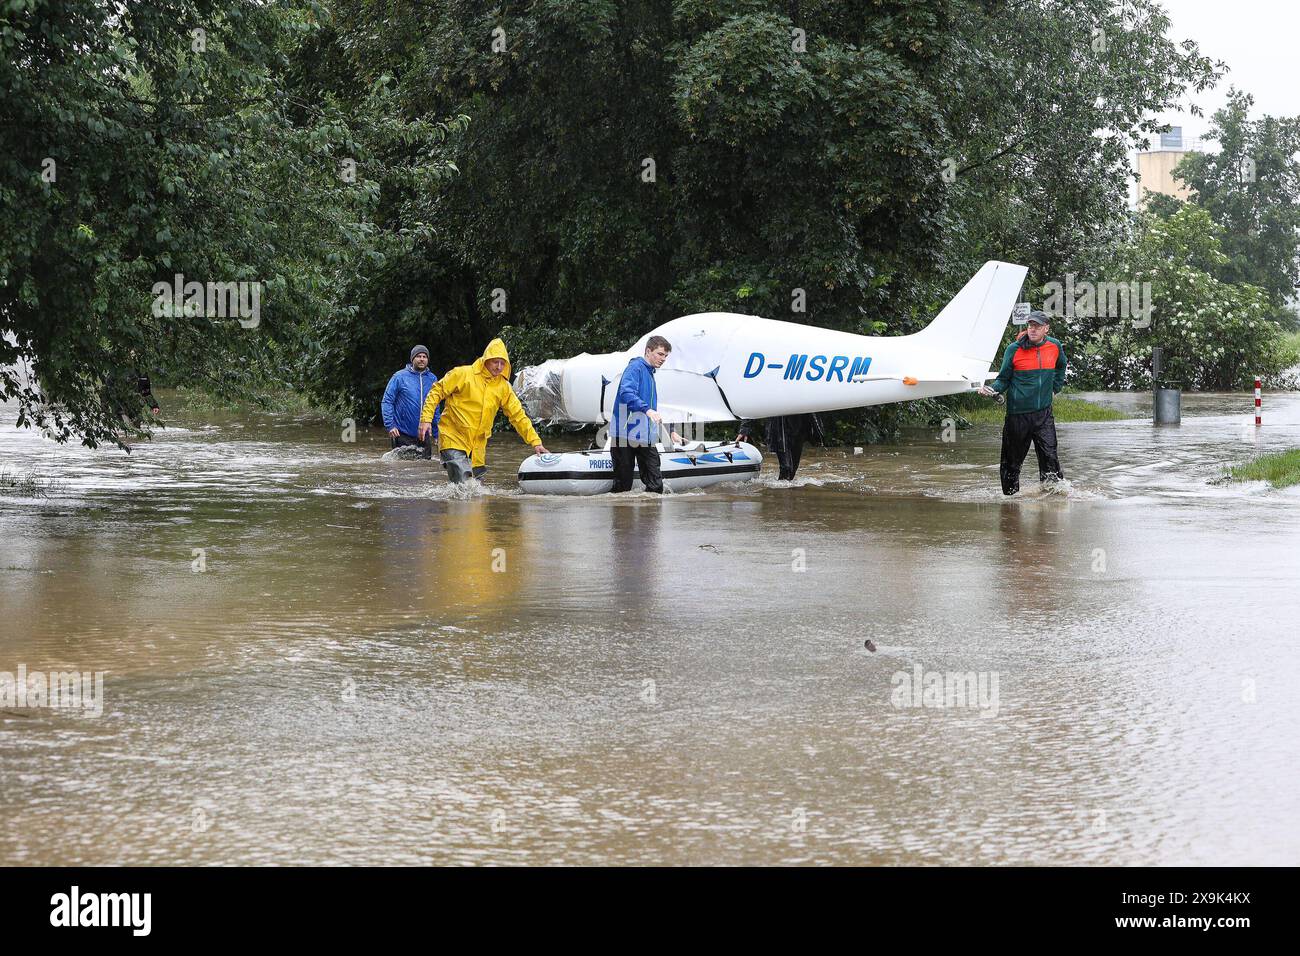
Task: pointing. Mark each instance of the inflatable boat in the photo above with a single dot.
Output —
(684, 467)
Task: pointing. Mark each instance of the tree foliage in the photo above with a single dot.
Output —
(1214, 334)
(575, 170)
(1251, 188)
(756, 157)
(1050, 99)
(143, 141)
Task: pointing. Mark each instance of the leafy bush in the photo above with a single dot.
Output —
(1215, 334)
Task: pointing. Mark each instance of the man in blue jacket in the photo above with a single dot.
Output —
(404, 398)
(634, 425)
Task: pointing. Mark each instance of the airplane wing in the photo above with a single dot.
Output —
(943, 378)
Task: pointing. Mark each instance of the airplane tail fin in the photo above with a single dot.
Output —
(971, 325)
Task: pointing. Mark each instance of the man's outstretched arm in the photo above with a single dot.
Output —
(1003, 381)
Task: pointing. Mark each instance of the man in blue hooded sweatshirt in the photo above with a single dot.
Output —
(403, 399)
(634, 425)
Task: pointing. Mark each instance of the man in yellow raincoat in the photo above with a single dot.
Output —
(474, 394)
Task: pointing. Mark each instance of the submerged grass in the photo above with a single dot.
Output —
(1064, 409)
(265, 400)
(1279, 469)
(27, 485)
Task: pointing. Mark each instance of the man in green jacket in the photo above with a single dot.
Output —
(1033, 370)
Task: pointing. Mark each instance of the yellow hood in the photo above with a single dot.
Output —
(495, 349)
(473, 397)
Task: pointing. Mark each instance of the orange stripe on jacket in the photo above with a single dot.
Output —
(1036, 357)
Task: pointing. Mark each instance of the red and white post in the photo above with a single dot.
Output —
(1257, 403)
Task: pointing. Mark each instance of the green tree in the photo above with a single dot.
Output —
(143, 141)
(1046, 102)
(1215, 334)
(572, 170)
(1251, 187)
(722, 155)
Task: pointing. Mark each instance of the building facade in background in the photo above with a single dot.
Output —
(1155, 168)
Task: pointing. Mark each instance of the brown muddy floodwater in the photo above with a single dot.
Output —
(360, 667)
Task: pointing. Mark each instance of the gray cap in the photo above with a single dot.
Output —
(417, 350)
(1038, 317)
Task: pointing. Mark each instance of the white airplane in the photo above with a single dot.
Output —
(725, 366)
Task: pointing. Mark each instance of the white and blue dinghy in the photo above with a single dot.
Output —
(684, 468)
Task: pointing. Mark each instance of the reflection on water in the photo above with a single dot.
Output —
(370, 666)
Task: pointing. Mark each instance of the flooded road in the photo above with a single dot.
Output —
(312, 655)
